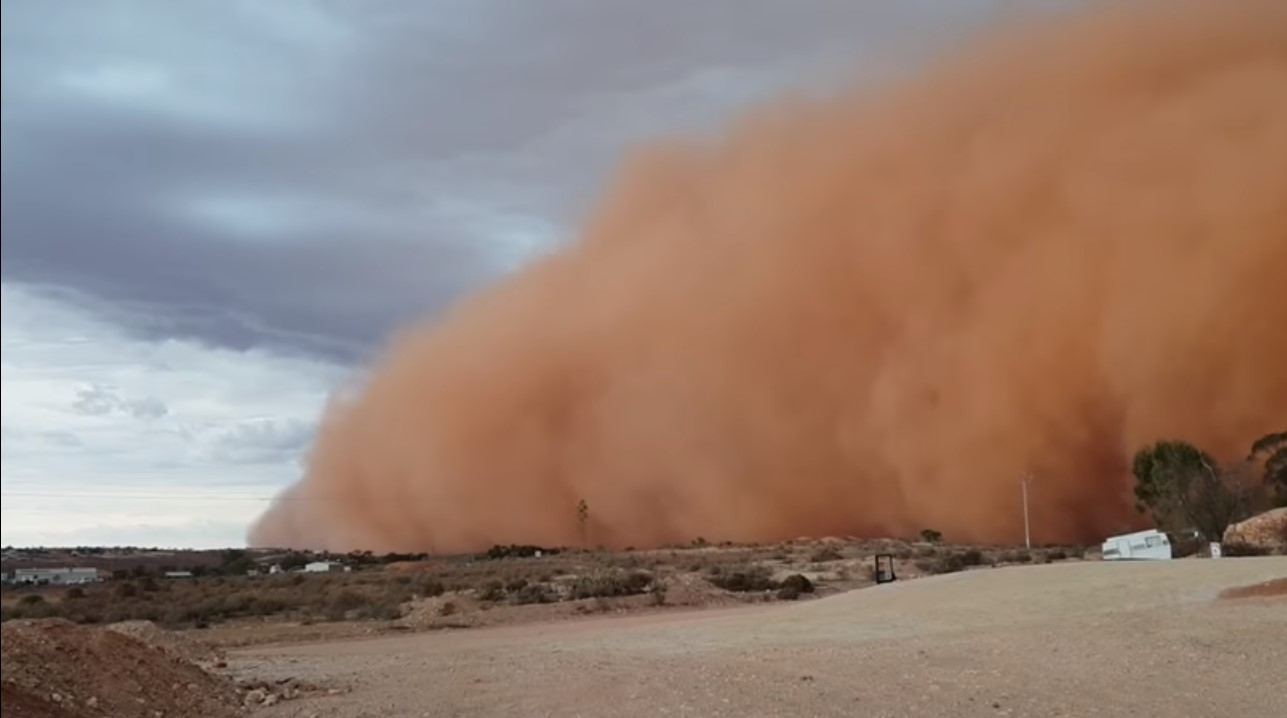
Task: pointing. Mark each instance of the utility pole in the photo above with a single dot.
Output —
(1027, 535)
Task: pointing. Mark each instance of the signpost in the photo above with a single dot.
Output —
(885, 568)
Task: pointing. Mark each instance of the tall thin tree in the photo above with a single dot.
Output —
(583, 521)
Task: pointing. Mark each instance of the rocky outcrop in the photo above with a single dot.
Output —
(1267, 531)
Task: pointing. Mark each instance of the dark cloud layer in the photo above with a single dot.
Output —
(307, 175)
(262, 441)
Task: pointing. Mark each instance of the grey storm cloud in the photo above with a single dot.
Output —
(305, 176)
(260, 441)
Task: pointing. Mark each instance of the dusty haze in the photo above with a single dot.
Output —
(864, 315)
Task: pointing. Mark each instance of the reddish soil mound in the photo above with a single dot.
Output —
(1273, 588)
(54, 669)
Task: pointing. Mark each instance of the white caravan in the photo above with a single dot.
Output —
(1151, 544)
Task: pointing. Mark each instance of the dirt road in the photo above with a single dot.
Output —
(1081, 639)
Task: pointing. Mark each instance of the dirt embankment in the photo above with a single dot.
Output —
(54, 669)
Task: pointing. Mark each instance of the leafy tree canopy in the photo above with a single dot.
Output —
(1183, 487)
(1272, 450)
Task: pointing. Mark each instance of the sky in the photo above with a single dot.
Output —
(215, 212)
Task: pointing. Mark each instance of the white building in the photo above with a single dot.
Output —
(1151, 544)
(59, 576)
(325, 567)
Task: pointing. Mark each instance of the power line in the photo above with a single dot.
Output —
(85, 495)
(178, 497)
(1027, 534)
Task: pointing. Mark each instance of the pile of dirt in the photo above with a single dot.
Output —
(56, 669)
(179, 645)
(1266, 531)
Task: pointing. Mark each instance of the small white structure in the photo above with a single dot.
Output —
(325, 567)
(59, 576)
(1151, 544)
(178, 574)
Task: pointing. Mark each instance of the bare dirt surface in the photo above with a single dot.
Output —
(19, 702)
(1131, 639)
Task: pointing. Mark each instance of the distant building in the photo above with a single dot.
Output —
(325, 567)
(178, 574)
(57, 576)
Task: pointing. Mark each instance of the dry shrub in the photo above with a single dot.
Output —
(432, 587)
(531, 593)
(611, 583)
(756, 578)
(792, 587)
(493, 590)
(515, 585)
(974, 557)
(826, 554)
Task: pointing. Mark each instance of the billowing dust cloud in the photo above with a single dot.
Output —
(864, 315)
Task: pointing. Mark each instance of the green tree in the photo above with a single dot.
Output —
(236, 562)
(293, 560)
(1270, 452)
(1182, 487)
(931, 536)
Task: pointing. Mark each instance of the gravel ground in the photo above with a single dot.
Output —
(1081, 639)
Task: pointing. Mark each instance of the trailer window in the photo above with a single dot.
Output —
(1153, 541)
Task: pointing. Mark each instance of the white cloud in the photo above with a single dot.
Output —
(125, 80)
(100, 400)
(108, 439)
